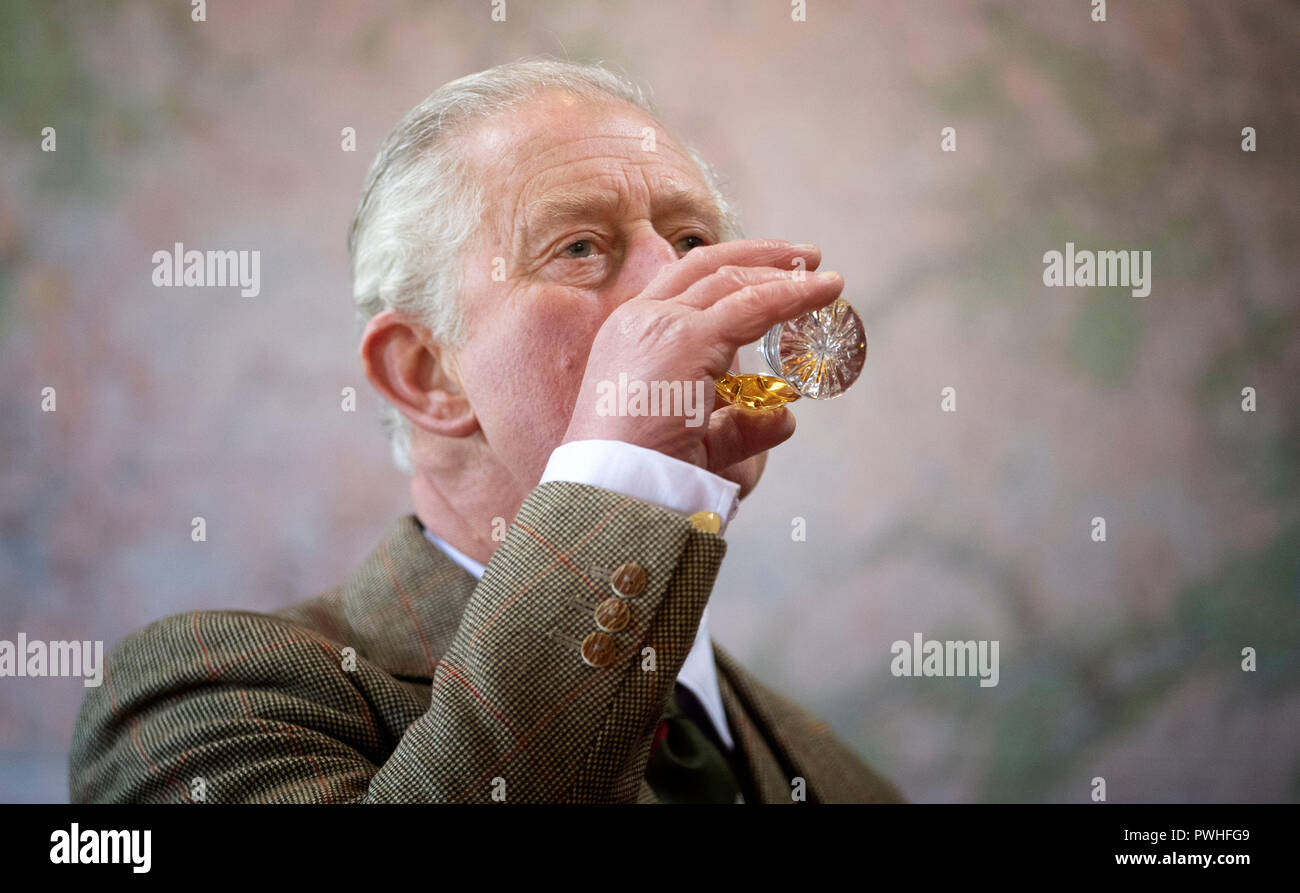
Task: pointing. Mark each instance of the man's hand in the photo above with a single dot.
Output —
(686, 326)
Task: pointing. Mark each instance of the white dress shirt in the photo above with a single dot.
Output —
(655, 477)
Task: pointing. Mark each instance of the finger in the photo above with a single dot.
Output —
(725, 280)
(735, 434)
(676, 277)
(744, 315)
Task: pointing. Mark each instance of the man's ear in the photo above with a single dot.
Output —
(416, 375)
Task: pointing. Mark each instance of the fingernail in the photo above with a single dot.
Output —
(828, 276)
(805, 246)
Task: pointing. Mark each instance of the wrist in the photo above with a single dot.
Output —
(647, 474)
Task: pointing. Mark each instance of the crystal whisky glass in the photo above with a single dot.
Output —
(817, 355)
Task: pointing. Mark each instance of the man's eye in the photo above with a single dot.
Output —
(688, 242)
(580, 248)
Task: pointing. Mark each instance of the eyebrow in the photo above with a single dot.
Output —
(562, 206)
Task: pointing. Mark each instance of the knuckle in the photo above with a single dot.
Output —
(659, 328)
(731, 273)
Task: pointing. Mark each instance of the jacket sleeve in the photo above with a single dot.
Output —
(243, 707)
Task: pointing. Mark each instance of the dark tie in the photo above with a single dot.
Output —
(688, 764)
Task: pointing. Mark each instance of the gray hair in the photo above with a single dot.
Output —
(419, 205)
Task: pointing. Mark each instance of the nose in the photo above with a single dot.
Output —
(647, 254)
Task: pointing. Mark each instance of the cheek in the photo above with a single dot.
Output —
(547, 353)
(523, 370)
(558, 353)
(570, 359)
(556, 336)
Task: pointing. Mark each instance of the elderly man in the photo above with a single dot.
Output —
(537, 629)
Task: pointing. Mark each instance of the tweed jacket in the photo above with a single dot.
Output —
(414, 682)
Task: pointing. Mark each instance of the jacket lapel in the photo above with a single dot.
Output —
(405, 603)
(771, 780)
(785, 741)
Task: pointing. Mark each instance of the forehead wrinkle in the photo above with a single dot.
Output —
(540, 165)
(676, 198)
(542, 169)
(574, 202)
(662, 141)
(567, 202)
(534, 167)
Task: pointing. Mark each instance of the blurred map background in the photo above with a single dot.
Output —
(1118, 659)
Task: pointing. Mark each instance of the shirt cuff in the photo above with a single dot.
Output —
(644, 474)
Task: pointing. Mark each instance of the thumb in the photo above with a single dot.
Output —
(736, 434)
